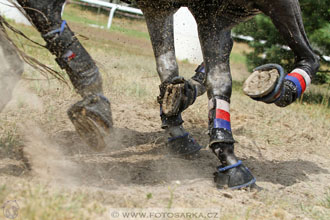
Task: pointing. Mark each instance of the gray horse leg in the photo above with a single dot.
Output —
(286, 16)
(160, 26)
(91, 116)
(216, 45)
(11, 68)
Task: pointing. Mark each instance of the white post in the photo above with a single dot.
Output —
(63, 9)
(112, 12)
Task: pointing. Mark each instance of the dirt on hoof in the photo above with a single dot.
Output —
(172, 99)
(260, 83)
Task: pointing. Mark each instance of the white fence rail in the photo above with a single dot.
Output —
(113, 8)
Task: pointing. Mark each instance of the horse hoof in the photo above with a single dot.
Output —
(176, 96)
(172, 99)
(92, 120)
(260, 83)
(183, 145)
(235, 176)
(265, 83)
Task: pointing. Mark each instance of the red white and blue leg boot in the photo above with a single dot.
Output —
(231, 173)
(270, 84)
(295, 84)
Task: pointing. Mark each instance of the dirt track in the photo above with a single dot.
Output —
(286, 149)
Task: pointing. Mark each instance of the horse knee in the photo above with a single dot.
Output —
(167, 66)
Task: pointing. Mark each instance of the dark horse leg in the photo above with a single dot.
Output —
(216, 42)
(91, 116)
(160, 26)
(286, 16)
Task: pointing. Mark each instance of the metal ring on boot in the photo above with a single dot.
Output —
(183, 145)
(270, 97)
(221, 170)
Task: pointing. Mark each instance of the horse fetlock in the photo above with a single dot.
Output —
(92, 119)
(224, 152)
(288, 95)
(295, 85)
(170, 121)
(176, 95)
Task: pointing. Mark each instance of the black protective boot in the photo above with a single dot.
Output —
(91, 116)
(233, 176)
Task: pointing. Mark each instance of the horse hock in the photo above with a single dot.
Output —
(91, 116)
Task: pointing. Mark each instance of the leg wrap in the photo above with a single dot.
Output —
(295, 84)
(219, 121)
(200, 75)
(61, 41)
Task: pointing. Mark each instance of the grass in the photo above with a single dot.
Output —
(36, 201)
(73, 13)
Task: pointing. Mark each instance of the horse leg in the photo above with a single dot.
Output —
(286, 16)
(91, 116)
(172, 88)
(11, 68)
(216, 43)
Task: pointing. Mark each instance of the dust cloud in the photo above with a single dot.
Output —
(11, 67)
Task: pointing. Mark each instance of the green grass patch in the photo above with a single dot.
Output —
(130, 32)
(238, 58)
(71, 13)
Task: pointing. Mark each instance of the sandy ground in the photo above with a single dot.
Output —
(286, 149)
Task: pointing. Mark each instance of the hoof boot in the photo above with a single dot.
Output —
(235, 176)
(92, 120)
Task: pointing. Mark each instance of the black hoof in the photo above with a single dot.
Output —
(236, 176)
(183, 145)
(92, 120)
